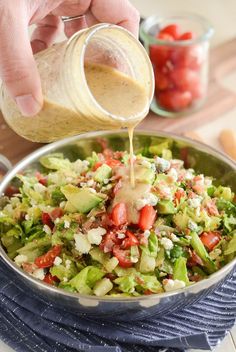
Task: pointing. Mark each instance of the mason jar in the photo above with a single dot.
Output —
(69, 106)
(180, 61)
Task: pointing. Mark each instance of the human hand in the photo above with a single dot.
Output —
(18, 69)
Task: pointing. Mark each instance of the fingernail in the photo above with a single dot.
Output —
(28, 105)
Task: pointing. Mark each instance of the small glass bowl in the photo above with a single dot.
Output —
(180, 66)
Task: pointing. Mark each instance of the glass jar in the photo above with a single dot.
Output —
(179, 54)
(69, 106)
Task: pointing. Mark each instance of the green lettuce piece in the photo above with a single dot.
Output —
(176, 251)
(126, 283)
(147, 263)
(201, 251)
(92, 159)
(57, 196)
(150, 282)
(227, 206)
(180, 271)
(229, 222)
(11, 244)
(224, 192)
(62, 272)
(152, 248)
(231, 245)
(158, 149)
(85, 280)
(41, 243)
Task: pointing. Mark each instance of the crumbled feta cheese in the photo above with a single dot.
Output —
(47, 229)
(39, 274)
(90, 183)
(167, 243)
(150, 199)
(82, 243)
(62, 204)
(195, 202)
(39, 188)
(65, 279)
(66, 224)
(92, 190)
(27, 217)
(208, 181)
(198, 211)
(166, 192)
(106, 181)
(174, 238)
(162, 274)
(68, 263)
(146, 163)
(162, 165)
(20, 259)
(95, 235)
(57, 221)
(188, 175)
(80, 166)
(192, 225)
(172, 285)
(146, 233)
(121, 236)
(57, 261)
(69, 179)
(173, 174)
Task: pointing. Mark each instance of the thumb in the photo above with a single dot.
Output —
(18, 69)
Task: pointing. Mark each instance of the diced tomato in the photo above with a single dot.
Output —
(97, 165)
(162, 80)
(190, 57)
(130, 240)
(123, 255)
(56, 213)
(172, 29)
(108, 153)
(119, 214)
(109, 241)
(210, 239)
(186, 36)
(159, 55)
(147, 217)
(194, 260)
(49, 279)
(165, 36)
(185, 79)
(42, 179)
(148, 292)
(174, 100)
(46, 220)
(46, 260)
(180, 193)
(113, 162)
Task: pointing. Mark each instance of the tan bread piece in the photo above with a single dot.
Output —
(228, 141)
(193, 135)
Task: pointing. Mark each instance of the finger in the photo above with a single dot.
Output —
(120, 12)
(46, 32)
(18, 69)
(72, 8)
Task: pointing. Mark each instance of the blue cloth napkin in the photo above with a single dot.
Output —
(28, 324)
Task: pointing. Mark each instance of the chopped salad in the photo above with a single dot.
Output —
(81, 227)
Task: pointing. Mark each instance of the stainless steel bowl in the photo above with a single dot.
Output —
(197, 155)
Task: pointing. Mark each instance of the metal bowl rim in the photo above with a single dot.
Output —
(45, 149)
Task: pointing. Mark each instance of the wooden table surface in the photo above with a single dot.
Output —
(218, 112)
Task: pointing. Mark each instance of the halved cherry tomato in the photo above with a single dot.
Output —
(49, 279)
(194, 260)
(56, 213)
(119, 214)
(174, 100)
(109, 241)
(165, 36)
(185, 79)
(186, 36)
(46, 260)
(42, 179)
(123, 255)
(11, 190)
(171, 29)
(210, 239)
(148, 292)
(180, 193)
(113, 162)
(190, 57)
(159, 55)
(147, 217)
(46, 220)
(129, 241)
(162, 80)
